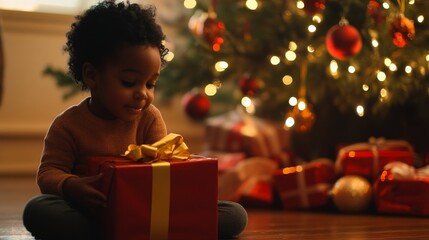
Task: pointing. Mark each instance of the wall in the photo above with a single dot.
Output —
(31, 41)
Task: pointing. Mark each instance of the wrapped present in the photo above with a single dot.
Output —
(151, 200)
(238, 132)
(402, 189)
(249, 183)
(368, 159)
(305, 186)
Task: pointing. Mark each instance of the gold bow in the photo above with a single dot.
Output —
(170, 147)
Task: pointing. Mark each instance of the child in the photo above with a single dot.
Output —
(116, 52)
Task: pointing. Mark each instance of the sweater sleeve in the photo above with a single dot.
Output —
(57, 160)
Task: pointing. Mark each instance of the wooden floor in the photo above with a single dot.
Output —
(263, 224)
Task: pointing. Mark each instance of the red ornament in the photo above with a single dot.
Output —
(249, 85)
(376, 11)
(312, 7)
(402, 31)
(196, 105)
(343, 41)
(212, 32)
(207, 27)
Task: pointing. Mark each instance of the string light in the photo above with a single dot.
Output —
(287, 80)
(252, 4)
(190, 4)
(374, 43)
(300, 5)
(290, 56)
(210, 89)
(387, 62)
(293, 101)
(351, 69)
(365, 87)
(420, 18)
(301, 105)
(311, 28)
(220, 66)
(246, 101)
(310, 48)
(408, 69)
(169, 57)
(393, 67)
(381, 76)
(317, 18)
(383, 93)
(386, 5)
(333, 68)
(360, 110)
(248, 105)
(274, 60)
(289, 122)
(293, 46)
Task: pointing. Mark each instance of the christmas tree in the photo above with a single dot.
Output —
(333, 71)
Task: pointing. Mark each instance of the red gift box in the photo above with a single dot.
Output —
(239, 132)
(162, 200)
(369, 159)
(399, 193)
(305, 186)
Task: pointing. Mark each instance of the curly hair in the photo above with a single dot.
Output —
(101, 30)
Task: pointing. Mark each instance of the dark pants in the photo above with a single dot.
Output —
(51, 217)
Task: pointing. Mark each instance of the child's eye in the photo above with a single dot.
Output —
(128, 84)
(150, 85)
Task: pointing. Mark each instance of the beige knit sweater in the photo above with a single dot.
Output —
(77, 134)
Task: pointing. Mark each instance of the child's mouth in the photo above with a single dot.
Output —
(134, 110)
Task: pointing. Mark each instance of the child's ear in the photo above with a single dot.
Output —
(89, 75)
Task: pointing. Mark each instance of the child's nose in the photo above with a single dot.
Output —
(140, 94)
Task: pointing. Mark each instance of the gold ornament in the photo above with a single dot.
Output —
(352, 194)
(301, 117)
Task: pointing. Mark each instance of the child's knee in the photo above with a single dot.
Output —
(232, 219)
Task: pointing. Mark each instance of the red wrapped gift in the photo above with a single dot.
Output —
(161, 200)
(401, 189)
(368, 159)
(238, 132)
(305, 186)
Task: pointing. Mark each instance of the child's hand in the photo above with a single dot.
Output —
(82, 190)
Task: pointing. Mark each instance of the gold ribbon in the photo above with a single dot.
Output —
(170, 147)
(160, 209)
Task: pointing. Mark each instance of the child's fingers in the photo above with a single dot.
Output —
(96, 198)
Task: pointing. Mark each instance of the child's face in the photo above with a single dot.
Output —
(124, 86)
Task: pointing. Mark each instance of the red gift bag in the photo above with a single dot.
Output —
(162, 200)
